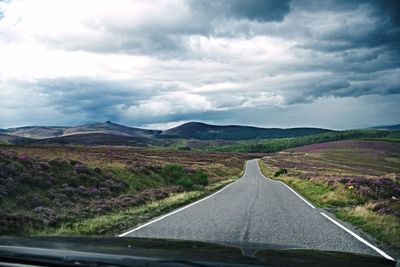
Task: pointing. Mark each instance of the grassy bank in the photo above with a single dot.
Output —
(374, 214)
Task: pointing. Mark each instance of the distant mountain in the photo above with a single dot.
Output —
(97, 138)
(109, 133)
(395, 127)
(41, 132)
(205, 131)
(112, 128)
(35, 131)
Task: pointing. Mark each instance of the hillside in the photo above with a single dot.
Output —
(99, 138)
(205, 131)
(41, 132)
(395, 127)
(189, 135)
(11, 139)
(35, 131)
(110, 127)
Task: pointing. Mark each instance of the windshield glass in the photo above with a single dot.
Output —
(258, 124)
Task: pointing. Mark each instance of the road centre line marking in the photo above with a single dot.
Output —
(359, 238)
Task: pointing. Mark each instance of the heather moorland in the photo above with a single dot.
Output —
(50, 189)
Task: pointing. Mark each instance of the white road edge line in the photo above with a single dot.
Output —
(302, 198)
(362, 240)
(183, 208)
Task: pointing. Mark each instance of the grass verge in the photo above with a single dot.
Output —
(384, 228)
(322, 194)
(346, 206)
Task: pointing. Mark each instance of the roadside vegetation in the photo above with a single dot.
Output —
(279, 144)
(120, 220)
(358, 181)
(48, 189)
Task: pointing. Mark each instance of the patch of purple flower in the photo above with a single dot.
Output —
(24, 159)
(379, 188)
(67, 190)
(81, 169)
(44, 166)
(48, 216)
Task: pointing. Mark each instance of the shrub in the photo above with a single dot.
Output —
(58, 163)
(44, 166)
(25, 160)
(185, 181)
(3, 190)
(280, 172)
(184, 148)
(73, 181)
(172, 173)
(81, 169)
(42, 182)
(201, 178)
(74, 162)
(381, 188)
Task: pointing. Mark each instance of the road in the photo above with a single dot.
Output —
(254, 209)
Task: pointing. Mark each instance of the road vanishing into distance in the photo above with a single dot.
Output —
(255, 209)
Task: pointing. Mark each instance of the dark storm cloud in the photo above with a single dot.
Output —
(170, 40)
(94, 99)
(379, 25)
(259, 10)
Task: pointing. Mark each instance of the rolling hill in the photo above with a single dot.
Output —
(11, 139)
(98, 138)
(43, 132)
(205, 131)
(236, 137)
(395, 127)
(111, 128)
(35, 131)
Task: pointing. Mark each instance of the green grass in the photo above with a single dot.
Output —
(320, 193)
(137, 182)
(385, 228)
(125, 219)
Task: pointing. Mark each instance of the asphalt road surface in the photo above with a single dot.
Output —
(254, 209)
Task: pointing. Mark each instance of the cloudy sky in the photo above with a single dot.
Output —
(270, 63)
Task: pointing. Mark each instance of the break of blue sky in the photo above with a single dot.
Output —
(333, 64)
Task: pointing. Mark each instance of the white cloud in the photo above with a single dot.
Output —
(163, 125)
(170, 104)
